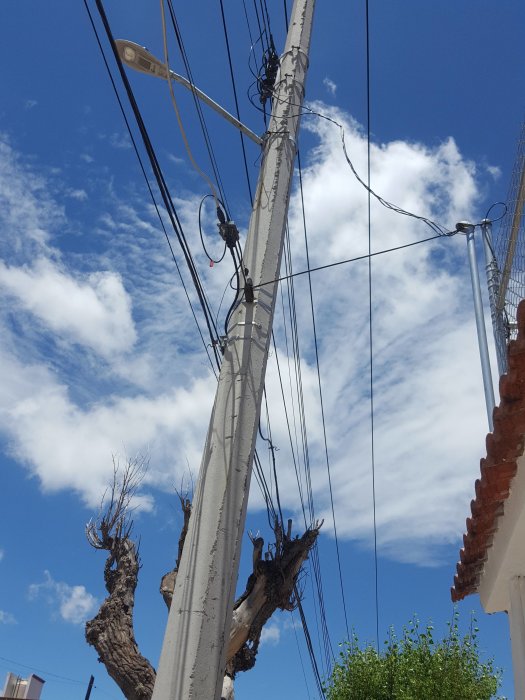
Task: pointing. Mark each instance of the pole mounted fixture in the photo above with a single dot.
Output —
(194, 652)
(140, 59)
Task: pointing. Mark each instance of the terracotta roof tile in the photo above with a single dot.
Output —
(504, 446)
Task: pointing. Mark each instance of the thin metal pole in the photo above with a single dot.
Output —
(480, 326)
(493, 278)
(194, 651)
(90, 687)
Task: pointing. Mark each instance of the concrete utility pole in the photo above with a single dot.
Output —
(193, 655)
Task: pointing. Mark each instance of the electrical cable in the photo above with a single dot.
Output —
(176, 108)
(216, 262)
(65, 679)
(161, 182)
(321, 402)
(370, 326)
(309, 645)
(152, 196)
(438, 228)
(350, 260)
(314, 558)
(237, 112)
(300, 655)
(198, 107)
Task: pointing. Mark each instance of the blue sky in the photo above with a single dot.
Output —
(100, 356)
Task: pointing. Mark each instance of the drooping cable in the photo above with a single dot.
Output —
(237, 111)
(309, 645)
(321, 402)
(143, 170)
(314, 558)
(198, 107)
(177, 111)
(163, 188)
(346, 261)
(370, 326)
(212, 260)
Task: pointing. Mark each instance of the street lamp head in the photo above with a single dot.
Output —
(465, 227)
(140, 59)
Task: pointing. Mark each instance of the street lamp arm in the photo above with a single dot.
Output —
(140, 59)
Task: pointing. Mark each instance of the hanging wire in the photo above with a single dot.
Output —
(216, 262)
(176, 108)
(198, 106)
(321, 402)
(237, 112)
(370, 323)
(154, 163)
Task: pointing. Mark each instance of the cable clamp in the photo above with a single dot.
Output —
(248, 291)
(229, 233)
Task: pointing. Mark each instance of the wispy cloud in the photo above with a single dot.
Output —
(104, 357)
(6, 618)
(79, 195)
(330, 86)
(271, 634)
(74, 604)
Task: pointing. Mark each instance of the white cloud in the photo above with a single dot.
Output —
(330, 86)
(7, 619)
(30, 104)
(78, 194)
(64, 418)
(271, 634)
(94, 311)
(494, 171)
(74, 604)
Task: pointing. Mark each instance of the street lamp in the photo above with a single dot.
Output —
(140, 59)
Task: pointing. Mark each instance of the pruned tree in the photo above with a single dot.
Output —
(271, 585)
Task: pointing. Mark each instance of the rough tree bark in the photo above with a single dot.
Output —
(270, 586)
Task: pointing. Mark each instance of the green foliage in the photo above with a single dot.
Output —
(415, 667)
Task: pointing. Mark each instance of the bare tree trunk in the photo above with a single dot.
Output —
(111, 631)
(270, 586)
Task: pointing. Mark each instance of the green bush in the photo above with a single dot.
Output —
(415, 667)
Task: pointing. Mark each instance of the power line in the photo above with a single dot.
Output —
(152, 196)
(321, 402)
(370, 327)
(237, 112)
(350, 260)
(65, 679)
(198, 107)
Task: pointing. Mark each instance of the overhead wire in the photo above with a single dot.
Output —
(237, 111)
(370, 326)
(198, 107)
(143, 170)
(321, 402)
(319, 607)
(163, 188)
(177, 111)
(212, 260)
(346, 261)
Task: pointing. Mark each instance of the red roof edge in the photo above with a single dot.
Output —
(504, 446)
